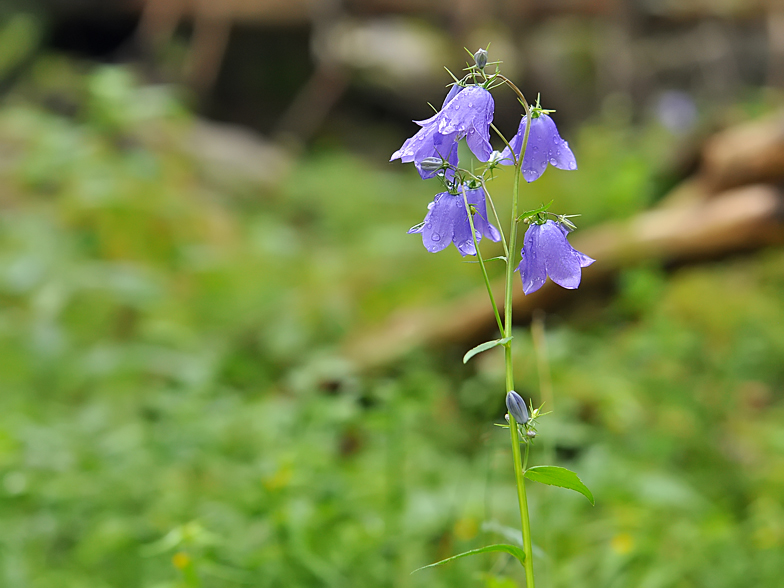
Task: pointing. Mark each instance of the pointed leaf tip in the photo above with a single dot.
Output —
(510, 549)
(484, 347)
(557, 476)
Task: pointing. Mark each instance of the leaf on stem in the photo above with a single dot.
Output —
(510, 549)
(556, 476)
(485, 346)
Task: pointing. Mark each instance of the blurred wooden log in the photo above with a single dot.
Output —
(737, 220)
(748, 153)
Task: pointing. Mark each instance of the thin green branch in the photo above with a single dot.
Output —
(482, 264)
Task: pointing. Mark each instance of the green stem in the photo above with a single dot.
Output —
(482, 263)
(522, 500)
(518, 466)
(497, 220)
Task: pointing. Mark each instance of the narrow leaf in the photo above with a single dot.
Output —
(555, 476)
(485, 346)
(510, 549)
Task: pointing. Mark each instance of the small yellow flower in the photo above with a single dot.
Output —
(181, 560)
(622, 543)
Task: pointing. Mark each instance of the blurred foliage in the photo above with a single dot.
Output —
(173, 411)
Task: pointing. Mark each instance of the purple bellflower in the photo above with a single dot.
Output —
(467, 112)
(544, 146)
(546, 252)
(447, 222)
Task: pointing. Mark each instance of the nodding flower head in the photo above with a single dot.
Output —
(447, 222)
(547, 252)
(467, 112)
(544, 146)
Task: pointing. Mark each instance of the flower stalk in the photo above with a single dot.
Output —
(522, 498)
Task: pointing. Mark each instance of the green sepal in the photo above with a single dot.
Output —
(510, 549)
(557, 476)
(485, 346)
(535, 211)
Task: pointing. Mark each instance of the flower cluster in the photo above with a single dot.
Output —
(467, 113)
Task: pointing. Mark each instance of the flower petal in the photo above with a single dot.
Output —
(462, 237)
(559, 154)
(439, 226)
(532, 266)
(544, 146)
(561, 264)
(536, 152)
(453, 91)
(478, 199)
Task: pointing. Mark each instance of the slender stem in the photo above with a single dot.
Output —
(548, 449)
(482, 263)
(497, 220)
(500, 134)
(522, 500)
(518, 466)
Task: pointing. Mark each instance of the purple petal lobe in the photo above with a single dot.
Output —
(532, 268)
(561, 264)
(453, 91)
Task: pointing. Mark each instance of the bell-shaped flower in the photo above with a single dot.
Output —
(467, 112)
(447, 222)
(547, 252)
(544, 146)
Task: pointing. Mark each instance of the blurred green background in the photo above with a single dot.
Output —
(175, 408)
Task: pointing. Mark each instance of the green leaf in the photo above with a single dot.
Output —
(485, 346)
(555, 476)
(510, 549)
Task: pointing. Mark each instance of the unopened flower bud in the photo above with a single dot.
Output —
(480, 57)
(530, 433)
(432, 164)
(517, 408)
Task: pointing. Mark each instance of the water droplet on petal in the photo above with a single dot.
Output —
(457, 107)
(536, 149)
(552, 161)
(470, 105)
(572, 165)
(555, 140)
(436, 237)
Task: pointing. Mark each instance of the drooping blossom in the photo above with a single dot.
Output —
(544, 146)
(467, 112)
(547, 252)
(447, 222)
